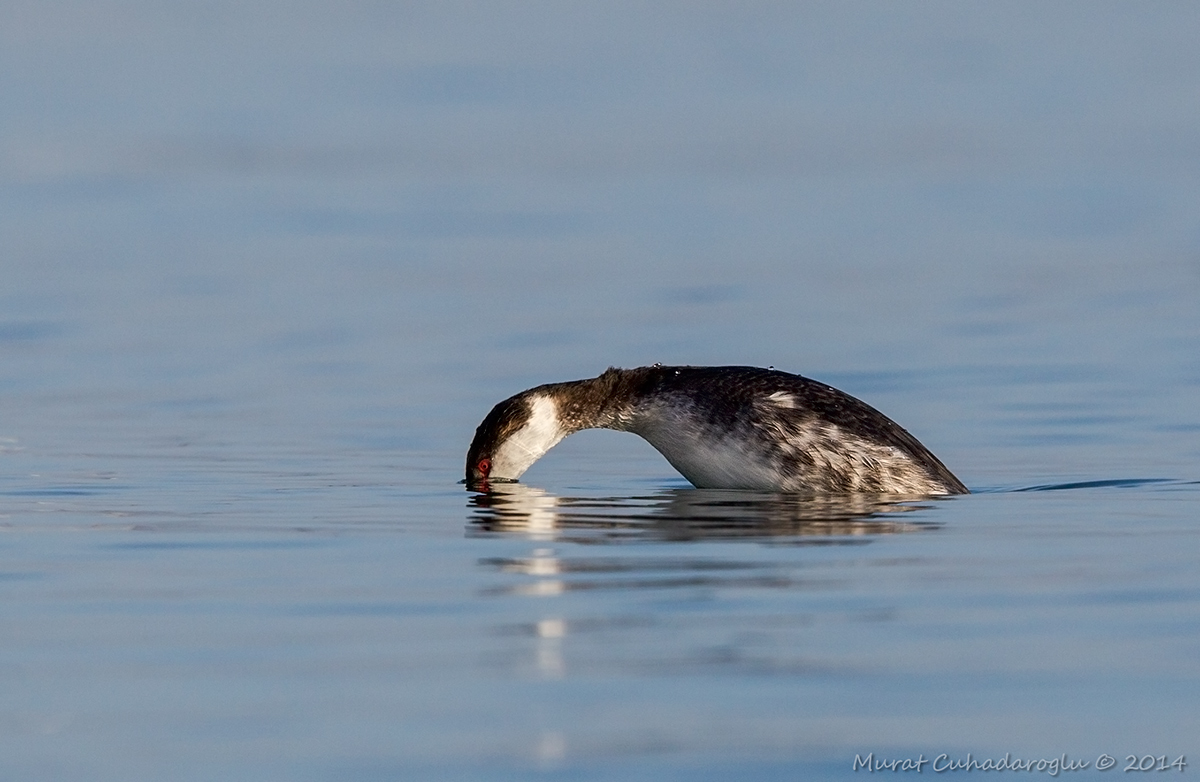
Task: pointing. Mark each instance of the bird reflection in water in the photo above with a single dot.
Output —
(691, 514)
(559, 638)
(574, 634)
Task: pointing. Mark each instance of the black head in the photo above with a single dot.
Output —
(505, 419)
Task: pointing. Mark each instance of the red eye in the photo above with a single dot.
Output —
(484, 466)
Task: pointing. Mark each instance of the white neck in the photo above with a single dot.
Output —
(540, 433)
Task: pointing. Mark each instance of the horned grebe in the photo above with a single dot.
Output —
(722, 427)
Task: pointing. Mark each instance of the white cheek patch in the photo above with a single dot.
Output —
(539, 434)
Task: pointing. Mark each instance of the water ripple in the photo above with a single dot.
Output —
(691, 514)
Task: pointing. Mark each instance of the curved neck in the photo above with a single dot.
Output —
(604, 402)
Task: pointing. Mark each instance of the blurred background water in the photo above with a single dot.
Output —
(265, 267)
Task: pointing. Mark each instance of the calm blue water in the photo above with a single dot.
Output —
(266, 266)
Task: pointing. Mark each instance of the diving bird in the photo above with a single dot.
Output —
(722, 428)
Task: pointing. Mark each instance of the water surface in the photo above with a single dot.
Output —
(266, 267)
